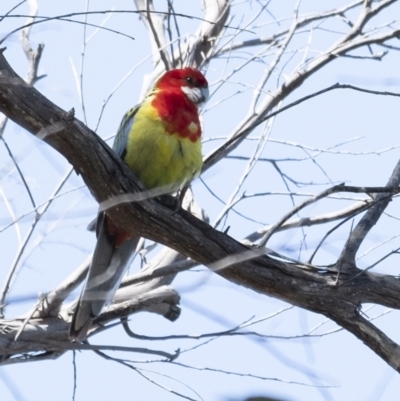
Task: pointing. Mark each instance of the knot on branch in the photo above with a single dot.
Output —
(68, 117)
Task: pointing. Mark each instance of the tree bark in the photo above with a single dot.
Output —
(310, 287)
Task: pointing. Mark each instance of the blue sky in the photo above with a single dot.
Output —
(341, 136)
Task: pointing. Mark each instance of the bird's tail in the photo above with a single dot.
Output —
(104, 277)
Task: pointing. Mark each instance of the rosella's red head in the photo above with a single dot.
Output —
(191, 82)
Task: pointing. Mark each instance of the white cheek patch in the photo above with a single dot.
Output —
(193, 127)
(196, 95)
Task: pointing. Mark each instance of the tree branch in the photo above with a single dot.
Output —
(348, 256)
(107, 176)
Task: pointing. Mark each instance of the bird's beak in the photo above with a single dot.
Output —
(205, 93)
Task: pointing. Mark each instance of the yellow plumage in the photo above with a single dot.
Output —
(160, 158)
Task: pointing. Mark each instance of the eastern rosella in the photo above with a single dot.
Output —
(160, 141)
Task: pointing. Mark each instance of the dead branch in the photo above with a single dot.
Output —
(106, 176)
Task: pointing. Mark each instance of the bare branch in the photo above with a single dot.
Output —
(216, 13)
(28, 236)
(52, 302)
(31, 78)
(338, 188)
(381, 344)
(155, 24)
(301, 23)
(235, 139)
(348, 256)
(33, 56)
(311, 221)
(295, 283)
(194, 242)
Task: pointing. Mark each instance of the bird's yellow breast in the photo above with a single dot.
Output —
(162, 158)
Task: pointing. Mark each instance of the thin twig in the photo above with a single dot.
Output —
(231, 143)
(324, 194)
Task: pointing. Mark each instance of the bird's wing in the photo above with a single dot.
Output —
(121, 138)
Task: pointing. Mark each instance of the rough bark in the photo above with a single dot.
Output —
(309, 287)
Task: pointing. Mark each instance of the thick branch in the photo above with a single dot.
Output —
(107, 177)
(378, 341)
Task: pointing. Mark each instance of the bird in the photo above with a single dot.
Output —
(160, 141)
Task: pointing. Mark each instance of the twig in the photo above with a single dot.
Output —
(229, 372)
(233, 331)
(32, 77)
(395, 252)
(249, 167)
(157, 33)
(311, 221)
(26, 240)
(302, 22)
(147, 351)
(30, 315)
(123, 362)
(11, 10)
(51, 303)
(338, 188)
(329, 232)
(234, 140)
(65, 17)
(83, 53)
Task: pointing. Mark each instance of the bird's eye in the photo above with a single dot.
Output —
(189, 80)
